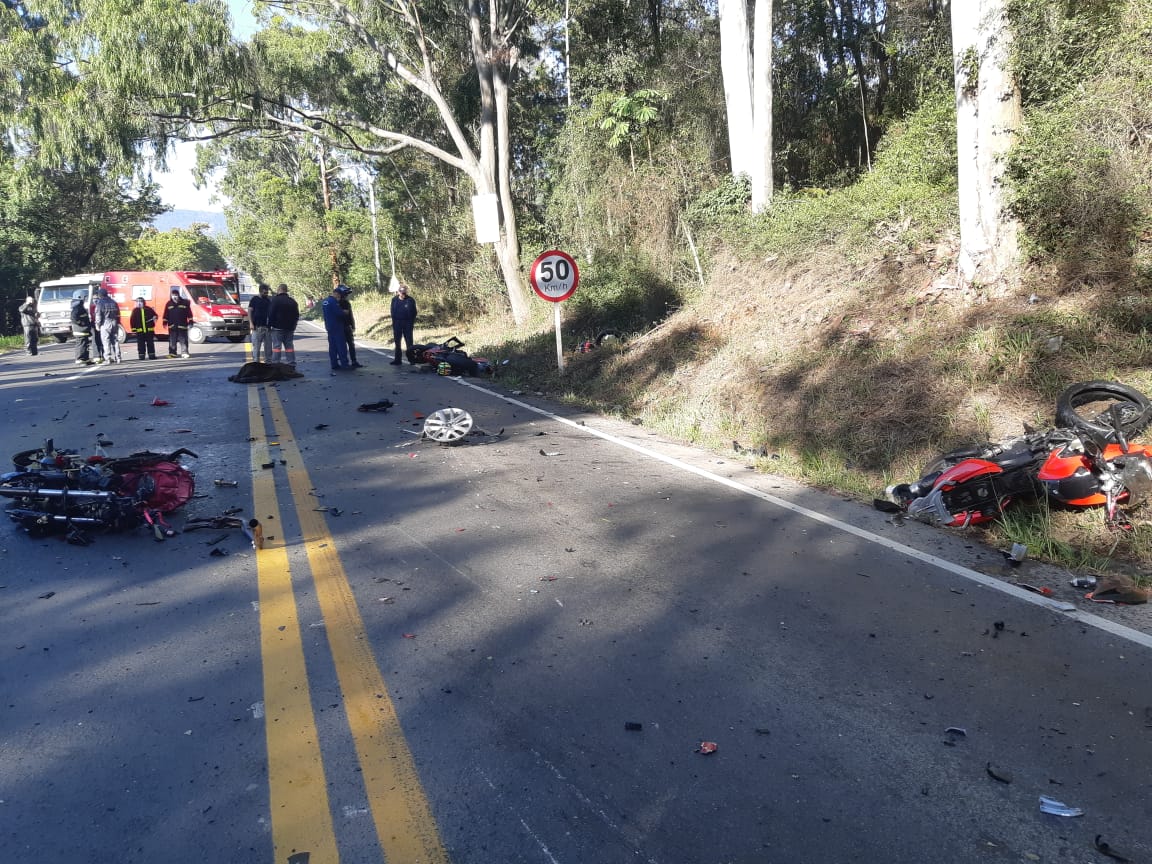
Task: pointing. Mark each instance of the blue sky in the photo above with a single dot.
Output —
(176, 187)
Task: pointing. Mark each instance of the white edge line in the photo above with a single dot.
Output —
(1121, 630)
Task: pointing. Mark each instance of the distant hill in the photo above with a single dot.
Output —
(187, 218)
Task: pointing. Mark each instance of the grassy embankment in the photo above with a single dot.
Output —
(831, 342)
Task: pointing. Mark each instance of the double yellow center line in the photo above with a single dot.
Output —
(302, 828)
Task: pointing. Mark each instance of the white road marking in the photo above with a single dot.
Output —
(1120, 630)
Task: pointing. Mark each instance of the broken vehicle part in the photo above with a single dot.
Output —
(448, 425)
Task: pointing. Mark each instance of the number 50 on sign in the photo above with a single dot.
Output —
(554, 276)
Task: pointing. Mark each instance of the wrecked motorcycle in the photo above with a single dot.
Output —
(1086, 463)
(449, 358)
(55, 490)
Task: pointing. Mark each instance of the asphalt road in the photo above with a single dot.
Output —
(512, 649)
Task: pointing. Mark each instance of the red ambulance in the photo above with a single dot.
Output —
(213, 296)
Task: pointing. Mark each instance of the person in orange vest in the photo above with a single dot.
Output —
(143, 324)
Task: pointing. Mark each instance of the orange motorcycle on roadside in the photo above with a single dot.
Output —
(1086, 461)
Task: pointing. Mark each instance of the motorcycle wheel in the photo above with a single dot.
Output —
(1085, 407)
(26, 457)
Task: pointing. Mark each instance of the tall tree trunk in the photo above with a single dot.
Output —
(746, 65)
(761, 154)
(490, 52)
(508, 249)
(655, 13)
(987, 115)
(735, 68)
(851, 33)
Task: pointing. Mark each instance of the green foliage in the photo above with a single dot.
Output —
(1081, 171)
(729, 199)
(1057, 44)
(630, 116)
(96, 83)
(909, 194)
(822, 53)
(178, 249)
(54, 223)
(619, 293)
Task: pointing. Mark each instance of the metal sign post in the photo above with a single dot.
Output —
(559, 343)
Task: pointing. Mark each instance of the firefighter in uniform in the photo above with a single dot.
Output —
(81, 328)
(143, 324)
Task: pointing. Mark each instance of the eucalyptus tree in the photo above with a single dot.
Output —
(391, 91)
(746, 61)
(362, 76)
(70, 195)
(987, 119)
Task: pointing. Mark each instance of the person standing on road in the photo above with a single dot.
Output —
(334, 325)
(349, 326)
(97, 342)
(81, 328)
(283, 316)
(258, 317)
(108, 323)
(177, 316)
(142, 322)
(403, 320)
(30, 321)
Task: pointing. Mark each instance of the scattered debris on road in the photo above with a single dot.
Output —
(998, 774)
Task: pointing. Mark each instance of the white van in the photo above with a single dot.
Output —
(54, 302)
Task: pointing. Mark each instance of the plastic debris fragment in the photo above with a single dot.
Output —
(1058, 808)
(1015, 557)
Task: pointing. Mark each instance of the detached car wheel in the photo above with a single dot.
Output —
(448, 425)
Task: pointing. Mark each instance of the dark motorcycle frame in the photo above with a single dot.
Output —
(56, 490)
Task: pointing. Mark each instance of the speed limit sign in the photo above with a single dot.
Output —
(554, 276)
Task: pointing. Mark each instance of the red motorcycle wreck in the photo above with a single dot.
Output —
(1086, 461)
(60, 491)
